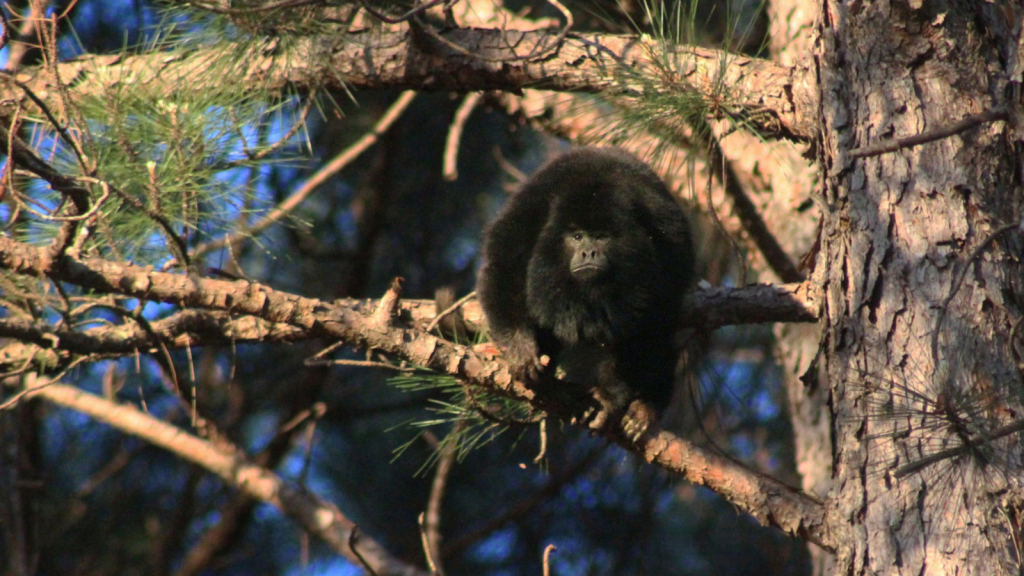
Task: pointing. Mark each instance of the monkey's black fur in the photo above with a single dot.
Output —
(590, 260)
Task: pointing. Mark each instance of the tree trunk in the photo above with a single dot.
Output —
(922, 366)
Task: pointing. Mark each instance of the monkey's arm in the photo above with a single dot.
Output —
(501, 287)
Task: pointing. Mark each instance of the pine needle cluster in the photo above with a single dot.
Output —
(470, 417)
(953, 430)
(171, 155)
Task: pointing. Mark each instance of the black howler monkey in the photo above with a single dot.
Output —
(587, 264)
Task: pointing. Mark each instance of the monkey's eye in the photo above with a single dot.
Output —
(577, 236)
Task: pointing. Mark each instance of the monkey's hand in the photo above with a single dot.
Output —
(524, 358)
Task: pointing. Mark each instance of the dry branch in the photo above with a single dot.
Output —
(315, 515)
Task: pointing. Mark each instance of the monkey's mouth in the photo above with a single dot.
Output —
(589, 271)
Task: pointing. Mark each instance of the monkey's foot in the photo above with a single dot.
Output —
(610, 413)
(637, 420)
(631, 423)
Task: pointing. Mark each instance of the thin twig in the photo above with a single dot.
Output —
(58, 126)
(927, 461)
(517, 174)
(314, 182)
(524, 506)
(352, 537)
(67, 10)
(307, 452)
(451, 144)
(426, 545)
(283, 140)
(547, 559)
(26, 157)
(254, 9)
(359, 363)
(431, 520)
(939, 133)
(48, 33)
(543, 431)
(175, 243)
(23, 201)
(315, 412)
(32, 387)
(503, 420)
(399, 19)
(750, 217)
(437, 319)
(730, 238)
(325, 351)
(541, 53)
(960, 279)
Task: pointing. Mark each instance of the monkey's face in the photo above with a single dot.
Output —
(587, 255)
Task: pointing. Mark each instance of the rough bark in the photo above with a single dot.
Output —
(900, 231)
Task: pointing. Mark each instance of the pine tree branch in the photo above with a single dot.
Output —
(225, 311)
(46, 345)
(782, 100)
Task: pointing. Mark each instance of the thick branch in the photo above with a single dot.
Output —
(47, 345)
(316, 515)
(758, 304)
(780, 101)
(237, 311)
(354, 323)
(708, 308)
